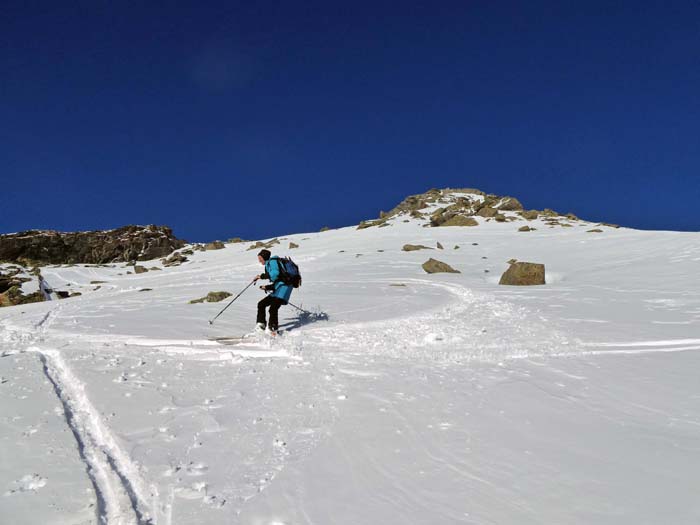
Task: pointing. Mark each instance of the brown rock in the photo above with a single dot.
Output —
(487, 211)
(461, 220)
(530, 215)
(267, 245)
(595, 230)
(293, 245)
(215, 245)
(525, 229)
(523, 274)
(435, 266)
(510, 204)
(140, 269)
(414, 247)
(175, 259)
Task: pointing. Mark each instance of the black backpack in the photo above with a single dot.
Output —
(289, 272)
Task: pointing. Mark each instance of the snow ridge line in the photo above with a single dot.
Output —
(120, 490)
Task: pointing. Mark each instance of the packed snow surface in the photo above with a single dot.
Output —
(401, 397)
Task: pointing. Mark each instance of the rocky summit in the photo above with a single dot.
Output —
(461, 207)
(129, 243)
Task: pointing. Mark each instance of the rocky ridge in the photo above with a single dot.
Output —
(129, 243)
(462, 207)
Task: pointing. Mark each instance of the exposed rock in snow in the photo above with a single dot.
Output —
(435, 266)
(523, 274)
(414, 247)
(215, 245)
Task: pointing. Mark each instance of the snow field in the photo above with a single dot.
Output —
(422, 399)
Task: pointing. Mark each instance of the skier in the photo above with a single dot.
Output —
(280, 291)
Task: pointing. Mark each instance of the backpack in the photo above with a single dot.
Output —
(289, 272)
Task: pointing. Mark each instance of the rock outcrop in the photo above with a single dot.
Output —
(11, 289)
(130, 243)
(457, 207)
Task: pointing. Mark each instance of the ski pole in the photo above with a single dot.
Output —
(229, 304)
(300, 309)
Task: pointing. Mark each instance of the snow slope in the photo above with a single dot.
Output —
(422, 399)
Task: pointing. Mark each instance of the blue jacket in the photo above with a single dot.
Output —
(272, 272)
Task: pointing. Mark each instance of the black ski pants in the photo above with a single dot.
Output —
(274, 303)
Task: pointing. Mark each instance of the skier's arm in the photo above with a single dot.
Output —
(273, 272)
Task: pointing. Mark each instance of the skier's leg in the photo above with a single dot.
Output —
(264, 303)
(274, 309)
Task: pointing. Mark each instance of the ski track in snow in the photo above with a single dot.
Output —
(467, 329)
(122, 495)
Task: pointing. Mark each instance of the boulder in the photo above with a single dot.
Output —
(461, 220)
(140, 269)
(414, 247)
(129, 243)
(523, 274)
(499, 217)
(369, 224)
(235, 240)
(435, 266)
(260, 244)
(175, 259)
(14, 296)
(439, 246)
(324, 229)
(293, 245)
(509, 204)
(216, 245)
(525, 229)
(487, 211)
(594, 230)
(530, 215)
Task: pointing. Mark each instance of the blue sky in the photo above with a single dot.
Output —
(253, 119)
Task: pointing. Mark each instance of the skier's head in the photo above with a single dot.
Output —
(264, 255)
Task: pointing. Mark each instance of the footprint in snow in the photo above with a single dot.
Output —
(29, 482)
(196, 469)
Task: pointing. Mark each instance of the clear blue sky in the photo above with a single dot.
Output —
(253, 119)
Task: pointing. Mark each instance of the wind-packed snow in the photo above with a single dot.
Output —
(422, 399)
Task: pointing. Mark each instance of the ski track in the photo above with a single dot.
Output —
(121, 494)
